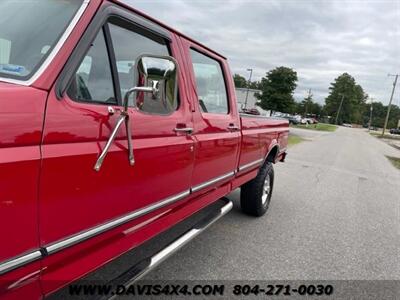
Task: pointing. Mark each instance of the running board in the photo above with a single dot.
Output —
(148, 264)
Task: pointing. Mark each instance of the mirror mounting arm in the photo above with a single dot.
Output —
(145, 89)
(129, 137)
(103, 154)
(124, 117)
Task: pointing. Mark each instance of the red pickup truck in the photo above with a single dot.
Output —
(115, 128)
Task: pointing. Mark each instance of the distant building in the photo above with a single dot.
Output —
(251, 100)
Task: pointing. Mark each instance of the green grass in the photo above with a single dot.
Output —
(386, 136)
(294, 139)
(395, 161)
(319, 127)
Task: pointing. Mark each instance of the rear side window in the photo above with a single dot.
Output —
(211, 89)
(93, 80)
(128, 45)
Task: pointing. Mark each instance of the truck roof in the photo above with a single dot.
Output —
(119, 2)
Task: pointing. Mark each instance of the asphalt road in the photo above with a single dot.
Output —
(335, 214)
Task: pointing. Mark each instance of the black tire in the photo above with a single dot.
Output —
(251, 193)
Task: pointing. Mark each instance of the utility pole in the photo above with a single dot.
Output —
(390, 103)
(248, 86)
(306, 108)
(370, 115)
(340, 107)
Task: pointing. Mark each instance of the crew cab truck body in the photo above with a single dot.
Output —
(90, 167)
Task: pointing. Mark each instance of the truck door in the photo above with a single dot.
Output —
(21, 119)
(216, 134)
(80, 203)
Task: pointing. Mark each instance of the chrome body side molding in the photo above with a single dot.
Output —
(80, 237)
(57, 246)
(17, 262)
(94, 231)
(173, 247)
(211, 181)
(246, 166)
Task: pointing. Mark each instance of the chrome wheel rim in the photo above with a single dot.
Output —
(266, 189)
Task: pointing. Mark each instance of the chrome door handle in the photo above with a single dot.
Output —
(233, 127)
(187, 130)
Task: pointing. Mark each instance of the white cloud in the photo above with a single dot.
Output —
(319, 39)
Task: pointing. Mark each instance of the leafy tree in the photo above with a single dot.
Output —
(240, 81)
(379, 114)
(277, 90)
(394, 116)
(256, 85)
(354, 99)
(307, 104)
(316, 109)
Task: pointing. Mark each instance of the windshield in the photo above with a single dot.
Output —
(29, 30)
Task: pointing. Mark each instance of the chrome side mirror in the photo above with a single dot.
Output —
(154, 74)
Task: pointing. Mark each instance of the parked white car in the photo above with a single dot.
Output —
(297, 118)
(307, 121)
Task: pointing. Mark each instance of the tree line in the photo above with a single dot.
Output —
(278, 85)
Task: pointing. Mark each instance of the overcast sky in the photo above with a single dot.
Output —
(319, 39)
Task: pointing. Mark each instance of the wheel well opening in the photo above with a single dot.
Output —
(272, 154)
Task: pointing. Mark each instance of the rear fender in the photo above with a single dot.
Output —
(272, 153)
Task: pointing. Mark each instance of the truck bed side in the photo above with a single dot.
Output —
(262, 138)
(271, 132)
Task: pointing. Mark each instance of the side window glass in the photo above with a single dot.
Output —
(211, 89)
(128, 46)
(93, 80)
